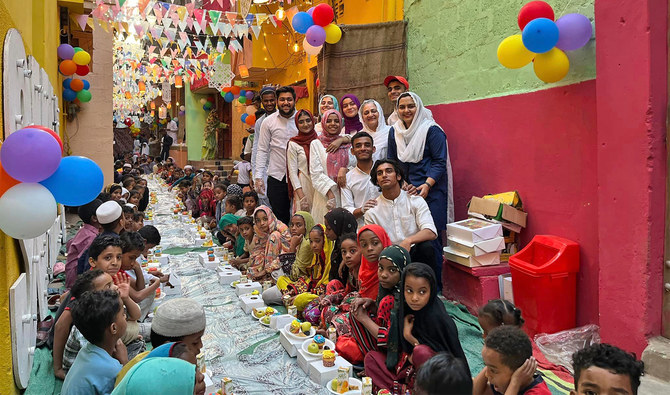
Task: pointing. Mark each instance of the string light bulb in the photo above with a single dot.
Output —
(296, 47)
(280, 14)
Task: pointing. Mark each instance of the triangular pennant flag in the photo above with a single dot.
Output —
(158, 11)
(170, 33)
(225, 29)
(232, 3)
(242, 30)
(189, 21)
(125, 26)
(261, 18)
(189, 8)
(90, 22)
(182, 43)
(256, 30)
(240, 40)
(167, 22)
(197, 27)
(232, 48)
(214, 40)
(81, 20)
(250, 19)
(151, 48)
(182, 25)
(290, 13)
(151, 19)
(220, 46)
(232, 17)
(104, 26)
(226, 41)
(181, 12)
(203, 40)
(214, 28)
(199, 45)
(197, 14)
(214, 16)
(162, 51)
(273, 20)
(139, 29)
(183, 36)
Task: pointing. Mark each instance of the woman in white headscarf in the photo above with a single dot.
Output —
(327, 102)
(419, 145)
(372, 118)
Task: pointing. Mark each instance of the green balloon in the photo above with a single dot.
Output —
(223, 93)
(84, 96)
(77, 49)
(242, 99)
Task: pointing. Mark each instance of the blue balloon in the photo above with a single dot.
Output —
(301, 22)
(540, 35)
(69, 94)
(66, 83)
(87, 84)
(229, 97)
(88, 176)
(244, 117)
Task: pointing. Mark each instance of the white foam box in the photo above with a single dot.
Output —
(226, 277)
(204, 261)
(322, 375)
(474, 230)
(505, 285)
(472, 261)
(225, 267)
(248, 302)
(290, 344)
(278, 322)
(210, 387)
(476, 249)
(305, 359)
(148, 222)
(164, 259)
(248, 287)
(176, 283)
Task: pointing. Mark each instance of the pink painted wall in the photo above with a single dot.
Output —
(542, 144)
(632, 164)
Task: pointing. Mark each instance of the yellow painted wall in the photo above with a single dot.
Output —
(272, 50)
(37, 20)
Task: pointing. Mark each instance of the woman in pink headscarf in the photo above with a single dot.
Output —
(324, 166)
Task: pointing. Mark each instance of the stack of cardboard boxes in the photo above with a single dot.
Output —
(490, 235)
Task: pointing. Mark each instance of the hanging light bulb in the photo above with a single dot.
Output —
(280, 14)
(296, 47)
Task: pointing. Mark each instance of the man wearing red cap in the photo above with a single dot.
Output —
(396, 85)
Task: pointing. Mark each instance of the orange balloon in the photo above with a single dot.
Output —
(76, 84)
(67, 67)
(235, 89)
(251, 120)
(226, 89)
(128, 95)
(6, 181)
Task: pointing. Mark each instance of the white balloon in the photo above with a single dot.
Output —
(28, 210)
(311, 50)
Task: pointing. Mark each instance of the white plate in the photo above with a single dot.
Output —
(263, 323)
(273, 312)
(352, 381)
(306, 343)
(312, 332)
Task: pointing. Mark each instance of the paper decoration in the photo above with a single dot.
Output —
(221, 77)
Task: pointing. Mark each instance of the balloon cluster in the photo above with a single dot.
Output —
(230, 93)
(74, 61)
(318, 27)
(33, 177)
(249, 117)
(544, 41)
(208, 103)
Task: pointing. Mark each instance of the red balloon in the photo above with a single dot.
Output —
(534, 10)
(82, 70)
(323, 14)
(51, 132)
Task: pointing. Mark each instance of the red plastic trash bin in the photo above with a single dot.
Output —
(544, 281)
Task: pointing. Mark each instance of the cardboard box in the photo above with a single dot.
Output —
(472, 261)
(290, 344)
(248, 287)
(510, 198)
(493, 209)
(175, 281)
(477, 249)
(226, 277)
(505, 284)
(474, 230)
(322, 375)
(249, 302)
(305, 359)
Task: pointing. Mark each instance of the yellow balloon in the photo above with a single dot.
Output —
(513, 54)
(551, 66)
(81, 58)
(333, 33)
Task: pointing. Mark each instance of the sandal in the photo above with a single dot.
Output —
(54, 302)
(43, 329)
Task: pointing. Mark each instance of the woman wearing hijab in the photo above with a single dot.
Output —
(324, 167)
(375, 326)
(297, 162)
(271, 239)
(419, 145)
(350, 106)
(372, 117)
(162, 375)
(425, 329)
(338, 221)
(327, 102)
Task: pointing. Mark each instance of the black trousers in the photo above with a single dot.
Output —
(165, 153)
(277, 192)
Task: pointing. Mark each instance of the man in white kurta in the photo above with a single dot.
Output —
(360, 194)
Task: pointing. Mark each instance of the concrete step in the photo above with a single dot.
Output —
(650, 385)
(656, 358)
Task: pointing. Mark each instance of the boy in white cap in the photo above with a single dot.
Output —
(188, 176)
(111, 220)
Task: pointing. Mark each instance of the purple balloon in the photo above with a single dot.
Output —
(65, 51)
(315, 36)
(249, 95)
(574, 31)
(30, 155)
(311, 10)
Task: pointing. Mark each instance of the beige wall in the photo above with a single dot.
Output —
(91, 132)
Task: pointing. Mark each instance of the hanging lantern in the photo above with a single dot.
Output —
(169, 106)
(244, 71)
(142, 87)
(178, 83)
(153, 105)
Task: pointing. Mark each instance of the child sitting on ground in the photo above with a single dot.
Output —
(245, 225)
(206, 206)
(134, 197)
(510, 366)
(250, 202)
(110, 217)
(101, 318)
(164, 376)
(443, 374)
(233, 205)
(496, 313)
(138, 221)
(228, 226)
(606, 369)
(92, 280)
(219, 195)
(82, 240)
(151, 237)
(128, 213)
